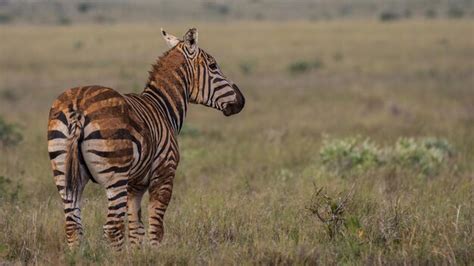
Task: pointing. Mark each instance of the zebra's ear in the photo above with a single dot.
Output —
(191, 39)
(170, 40)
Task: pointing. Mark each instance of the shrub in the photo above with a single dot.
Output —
(316, 64)
(331, 211)
(219, 8)
(8, 191)
(9, 95)
(259, 16)
(425, 155)
(5, 18)
(455, 12)
(354, 156)
(63, 20)
(304, 66)
(103, 19)
(389, 16)
(407, 13)
(392, 224)
(338, 56)
(441, 145)
(78, 45)
(340, 156)
(299, 67)
(84, 7)
(430, 13)
(9, 134)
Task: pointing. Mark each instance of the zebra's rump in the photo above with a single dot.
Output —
(99, 117)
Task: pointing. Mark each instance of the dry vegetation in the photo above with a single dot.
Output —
(248, 190)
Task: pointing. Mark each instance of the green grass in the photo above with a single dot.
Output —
(246, 184)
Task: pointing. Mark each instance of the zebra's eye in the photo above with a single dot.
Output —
(213, 66)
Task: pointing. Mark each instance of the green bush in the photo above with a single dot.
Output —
(9, 134)
(341, 156)
(425, 155)
(354, 156)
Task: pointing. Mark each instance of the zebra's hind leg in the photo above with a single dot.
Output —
(72, 207)
(136, 229)
(114, 228)
(160, 195)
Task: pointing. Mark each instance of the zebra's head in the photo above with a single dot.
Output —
(209, 86)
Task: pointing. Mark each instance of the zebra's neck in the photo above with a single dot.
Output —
(168, 87)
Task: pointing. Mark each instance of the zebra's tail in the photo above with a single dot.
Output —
(73, 155)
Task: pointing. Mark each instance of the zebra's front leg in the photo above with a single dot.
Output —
(136, 229)
(160, 195)
(114, 228)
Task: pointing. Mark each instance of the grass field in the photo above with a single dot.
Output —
(246, 184)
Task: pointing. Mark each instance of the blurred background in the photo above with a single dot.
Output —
(356, 144)
(110, 11)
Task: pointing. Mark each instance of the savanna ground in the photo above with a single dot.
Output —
(246, 184)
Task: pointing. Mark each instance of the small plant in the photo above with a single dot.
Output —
(9, 95)
(9, 134)
(8, 191)
(299, 67)
(393, 223)
(330, 211)
(78, 45)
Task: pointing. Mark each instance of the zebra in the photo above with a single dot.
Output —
(128, 142)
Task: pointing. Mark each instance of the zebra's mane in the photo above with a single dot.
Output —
(165, 64)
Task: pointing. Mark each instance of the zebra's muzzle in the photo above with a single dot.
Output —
(237, 106)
